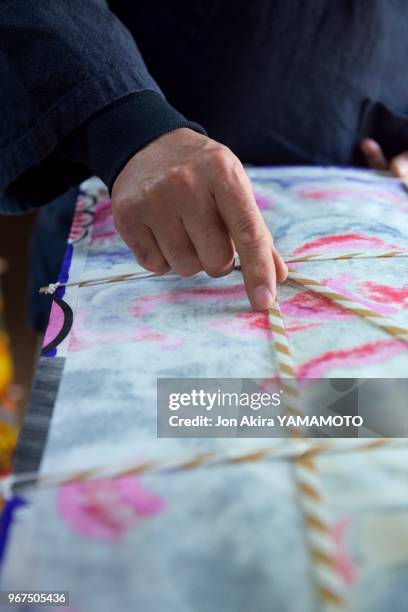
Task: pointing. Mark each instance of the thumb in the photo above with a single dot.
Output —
(399, 165)
(373, 154)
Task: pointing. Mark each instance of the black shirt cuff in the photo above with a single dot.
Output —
(106, 141)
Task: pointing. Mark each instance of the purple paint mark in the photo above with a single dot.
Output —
(264, 202)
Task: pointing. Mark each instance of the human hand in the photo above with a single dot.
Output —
(184, 202)
(376, 158)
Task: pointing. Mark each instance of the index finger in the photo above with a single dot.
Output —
(237, 207)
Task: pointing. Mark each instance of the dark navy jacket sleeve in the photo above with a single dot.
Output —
(67, 64)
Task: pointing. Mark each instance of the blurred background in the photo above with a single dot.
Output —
(18, 342)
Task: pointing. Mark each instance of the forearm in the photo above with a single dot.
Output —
(112, 136)
(64, 62)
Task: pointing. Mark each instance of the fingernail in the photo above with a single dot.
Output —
(263, 298)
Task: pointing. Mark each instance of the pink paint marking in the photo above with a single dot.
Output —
(322, 195)
(82, 219)
(313, 305)
(292, 328)
(107, 509)
(366, 354)
(83, 203)
(102, 227)
(55, 323)
(80, 225)
(254, 324)
(82, 338)
(343, 242)
(342, 283)
(346, 566)
(146, 304)
(384, 294)
(310, 193)
(264, 202)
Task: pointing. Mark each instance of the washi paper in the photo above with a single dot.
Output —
(227, 537)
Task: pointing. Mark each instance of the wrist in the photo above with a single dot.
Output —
(107, 141)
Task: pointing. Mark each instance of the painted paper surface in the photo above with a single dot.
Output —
(228, 538)
(127, 334)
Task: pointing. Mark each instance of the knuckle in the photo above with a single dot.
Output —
(120, 221)
(177, 251)
(219, 153)
(160, 267)
(248, 230)
(146, 193)
(126, 212)
(219, 265)
(218, 156)
(225, 162)
(143, 256)
(217, 271)
(151, 261)
(180, 176)
(121, 204)
(187, 268)
(182, 258)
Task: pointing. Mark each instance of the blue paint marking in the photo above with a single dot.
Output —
(355, 176)
(64, 273)
(6, 519)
